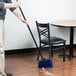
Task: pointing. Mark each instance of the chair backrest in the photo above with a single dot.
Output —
(43, 31)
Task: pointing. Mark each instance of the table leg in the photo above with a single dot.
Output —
(71, 41)
(71, 53)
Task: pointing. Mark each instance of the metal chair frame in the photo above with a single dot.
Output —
(51, 41)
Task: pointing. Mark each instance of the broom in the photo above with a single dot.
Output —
(43, 62)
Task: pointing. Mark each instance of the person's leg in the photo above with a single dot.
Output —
(2, 55)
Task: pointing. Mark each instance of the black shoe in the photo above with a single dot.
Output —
(9, 74)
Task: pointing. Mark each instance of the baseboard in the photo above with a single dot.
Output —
(25, 50)
(13, 51)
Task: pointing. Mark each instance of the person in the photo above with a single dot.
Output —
(12, 6)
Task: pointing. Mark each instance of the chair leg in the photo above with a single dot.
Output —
(64, 53)
(51, 53)
(39, 54)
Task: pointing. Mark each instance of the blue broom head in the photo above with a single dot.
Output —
(45, 63)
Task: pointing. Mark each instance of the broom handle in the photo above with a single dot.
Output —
(39, 53)
(29, 28)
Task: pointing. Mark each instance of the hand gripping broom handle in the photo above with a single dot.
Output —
(39, 53)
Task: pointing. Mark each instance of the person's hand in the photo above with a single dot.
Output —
(13, 4)
(24, 21)
(16, 4)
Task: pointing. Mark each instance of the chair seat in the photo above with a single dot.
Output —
(53, 40)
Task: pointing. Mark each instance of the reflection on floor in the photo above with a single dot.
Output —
(25, 64)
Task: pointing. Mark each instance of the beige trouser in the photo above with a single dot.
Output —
(2, 55)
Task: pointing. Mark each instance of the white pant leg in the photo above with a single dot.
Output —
(2, 55)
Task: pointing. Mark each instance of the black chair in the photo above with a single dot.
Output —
(45, 40)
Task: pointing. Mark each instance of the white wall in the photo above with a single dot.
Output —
(17, 35)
